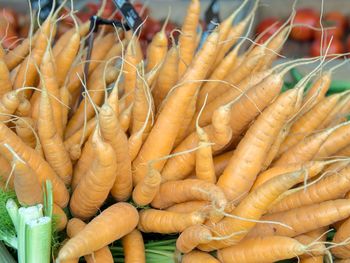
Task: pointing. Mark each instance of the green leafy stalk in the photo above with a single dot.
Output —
(38, 241)
(5, 256)
(12, 210)
(26, 215)
(7, 228)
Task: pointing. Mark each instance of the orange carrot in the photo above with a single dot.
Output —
(51, 141)
(112, 133)
(188, 207)
(342, 234)
(133, 247)
(145, 191)
(188, 35)
(113, 223)
(93, 188)
(161, 139)
(198, 256)
(192, 237)
(24, 108)
(262, 249)
(318, 89)
(164, 222)
(322, 214)
(8, 105)
(59, 217)
(25, 128)
(75, 226)
(5, 81)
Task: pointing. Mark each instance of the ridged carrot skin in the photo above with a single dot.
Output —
(133, 247)
(192, 237)
(113, 223)
(198, 256)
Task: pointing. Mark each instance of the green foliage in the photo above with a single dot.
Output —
(7, 229)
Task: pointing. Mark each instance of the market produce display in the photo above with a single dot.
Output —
(180, 154)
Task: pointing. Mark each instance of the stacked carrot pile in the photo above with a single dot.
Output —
(202, 143)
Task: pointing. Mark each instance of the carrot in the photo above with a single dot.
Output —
(65, 98)
(59, 217)
(249, 155)
(336, 141)
(26, 184)
(8, 105)
(161, 139)
(65, 58)
(95, 86)
(244, 217)
(125, 118)
(219, 134)
(25, 130)
(318, 89)
(130, 69)
(74, 227)
(168, 76)
(24, 108)
(249, 85)
(192, 237)
(113, 223)
(313, 168)
(5, 172)
(310, 121)
(145, 191)
(262, 249)
(112, 133)
(5, 81)
(221, 161)
(306, 149)
(198, 256)
(52, 143)
(133, 247)
(205, 169)
(188, 207)
(164, 222)
(27, 74)
(329, 188)
(316, 249)
(157, 49)
(174, 192)
(187, 37)
(342, 235)
(338, 114)
(35, 162)
(93, 188)
(322, 214)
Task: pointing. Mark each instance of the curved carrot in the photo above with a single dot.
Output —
(133, 247)
(161, 139)
(246, 162)
(130, 72)
(164, 222)
(93, 189)
(25, 128)
(198, 256)
(331, 187)
(192, 237)
(112, 133)
(35, 162)
(8, 105)
(244, 217)
(51, 141)
(173, 192)
(312, 217)
(262, 249)
(65, 98)
(102, 255)
(59, 217)
(113, 223)
(188, 35)
(145, 191)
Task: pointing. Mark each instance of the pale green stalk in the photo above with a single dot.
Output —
(12, 210)
(5, 256)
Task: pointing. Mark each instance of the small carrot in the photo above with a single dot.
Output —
(59, 217)
(65, 98)
(173, 192)
(262, 249)
(133, 247)
(342, 234)
(113, 223)
(93, 188)
(337, 115)
(331, 187)
(145, 191)
(164, 222)
(5, 81)
(312, 217)
(25, 129)
(188, 207)
(8, 105)
(318, 89)
(192, 237)
(188, 35)
(54, 150)
(130, 69)
(198, 256)
(24, 108)
(125, 118)
(75, 226)
(112, 133)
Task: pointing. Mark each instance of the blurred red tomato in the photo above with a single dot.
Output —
(150, 28)
(10, 16)
(338, 18)
(348, 44)
(335, 47)
(271, 23)
(330, 29)
(307, 17)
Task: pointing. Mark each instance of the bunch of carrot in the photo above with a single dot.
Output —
(200, 142)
